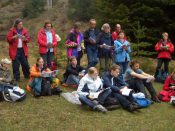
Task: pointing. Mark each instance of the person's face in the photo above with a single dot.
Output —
(41, 63)
(94, 75)
(48, 27)
(136, 66)
(115, 73)
(107, 29)
(74, 62)
(121, 36)
(117, 28)
(92, 24)
(20, 25)
(165, 37)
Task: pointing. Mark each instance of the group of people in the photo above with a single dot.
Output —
(118, 77)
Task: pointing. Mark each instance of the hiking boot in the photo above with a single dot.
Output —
(100, 108)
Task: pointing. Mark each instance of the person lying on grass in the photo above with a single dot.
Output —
(168, 88)
(73, 73)
(90, 90)
(41, 80)
(120, 91)
(138, 80)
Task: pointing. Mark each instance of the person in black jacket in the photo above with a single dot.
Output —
(73, 73)
(105, 45)
(90, 37)
(113, 80)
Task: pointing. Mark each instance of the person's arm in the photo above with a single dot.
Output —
(41, 42)
(81, 86)
(140, 76)
(10, 36)
(158, 47)
(54, 44)
(86, 36)
(166, 85)
(118, 49)
(34, 73)
(71, 71)
(171, 48)
(26, 36)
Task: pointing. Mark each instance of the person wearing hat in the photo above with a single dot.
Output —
(5, 75)
(18, 37)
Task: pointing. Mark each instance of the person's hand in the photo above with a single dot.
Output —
(23, 38)
(49, 45)
(172, 87)
(15, 36)
(81, 75)
(1, 79)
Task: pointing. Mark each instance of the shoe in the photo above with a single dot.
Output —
(100, 108)
(132, 108)
(112, 107)
(65, 85)
(136, 106)
(155, 99)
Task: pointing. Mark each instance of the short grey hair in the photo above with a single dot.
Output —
(106, 25)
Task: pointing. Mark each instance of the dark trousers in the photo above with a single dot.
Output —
(91, 56)
(48, 57)
(20, 59)
(80, 55)
(159, 65)
(138, 85)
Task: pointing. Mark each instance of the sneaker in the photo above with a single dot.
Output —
(100, 108)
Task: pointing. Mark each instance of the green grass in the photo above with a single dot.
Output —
(56, 114)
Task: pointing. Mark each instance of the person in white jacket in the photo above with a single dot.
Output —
(90, 90)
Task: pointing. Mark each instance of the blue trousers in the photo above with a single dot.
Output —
(123, 66)
(91, 56)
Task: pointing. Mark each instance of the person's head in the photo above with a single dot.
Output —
(92, 72)
(77, 27)
(5, 63)
(121, 35)
(117, 27)
(92, 23)
(173, 75)
(18, 24)
(40, 62)
(135, 64)
(115, 70)
(165, 36)
(73, 61)
(48, 25)
(106, 28)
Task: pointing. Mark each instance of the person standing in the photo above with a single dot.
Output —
(90, 37)
(18, 38)
(47, 43)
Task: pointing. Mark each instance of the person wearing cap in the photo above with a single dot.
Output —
(74, 43)
(165, 48)
(5, 73)
(105, 45)
(115, 34)
(90, 36)
(47, 43)
(18, 38)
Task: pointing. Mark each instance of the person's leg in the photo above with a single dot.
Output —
(158, 68)
(122, 100)
(91, 56)
(125, 66)
(108, 62)
(72, 80)
(44, 56)
(102, 96)
(102, 65)
(166, 65)
(24, 64)
(50, 56)
(86, 101)
(36, 84)
(80, 55)
(16, 65)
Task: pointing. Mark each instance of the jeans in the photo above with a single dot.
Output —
(48, 57)
(138, 85)
(123, 66)
(20, 59)
(101, 98)
(35, 84)
(72, 79)
(159, 65)
(91, 56)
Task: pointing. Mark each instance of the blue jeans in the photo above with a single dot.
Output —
(48, 57)
(123, 66)
(101, 98)
(72, 79)
(35, 84)
(91, 56)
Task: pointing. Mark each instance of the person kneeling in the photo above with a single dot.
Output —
(41, 80)
(90, 90)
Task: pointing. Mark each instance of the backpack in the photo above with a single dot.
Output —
(143, 102)
(12, 93)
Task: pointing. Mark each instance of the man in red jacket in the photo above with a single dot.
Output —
(47, 43)
(18, 38)
(164, 48)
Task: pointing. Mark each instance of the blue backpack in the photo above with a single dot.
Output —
(143, 102)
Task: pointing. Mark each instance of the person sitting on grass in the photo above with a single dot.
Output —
(73, 73)
(112, 80)
(40, 80)
(90, 90)
(138, 80)
(168, 88)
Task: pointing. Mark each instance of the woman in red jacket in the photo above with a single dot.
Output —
(18, 38)
(168, 88)
(164, 48)
(47, 43)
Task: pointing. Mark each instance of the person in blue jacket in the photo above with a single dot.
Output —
(122, 51)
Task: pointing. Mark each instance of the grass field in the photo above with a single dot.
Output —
(56, 114)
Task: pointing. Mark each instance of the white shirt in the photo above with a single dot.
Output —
(19, 43)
